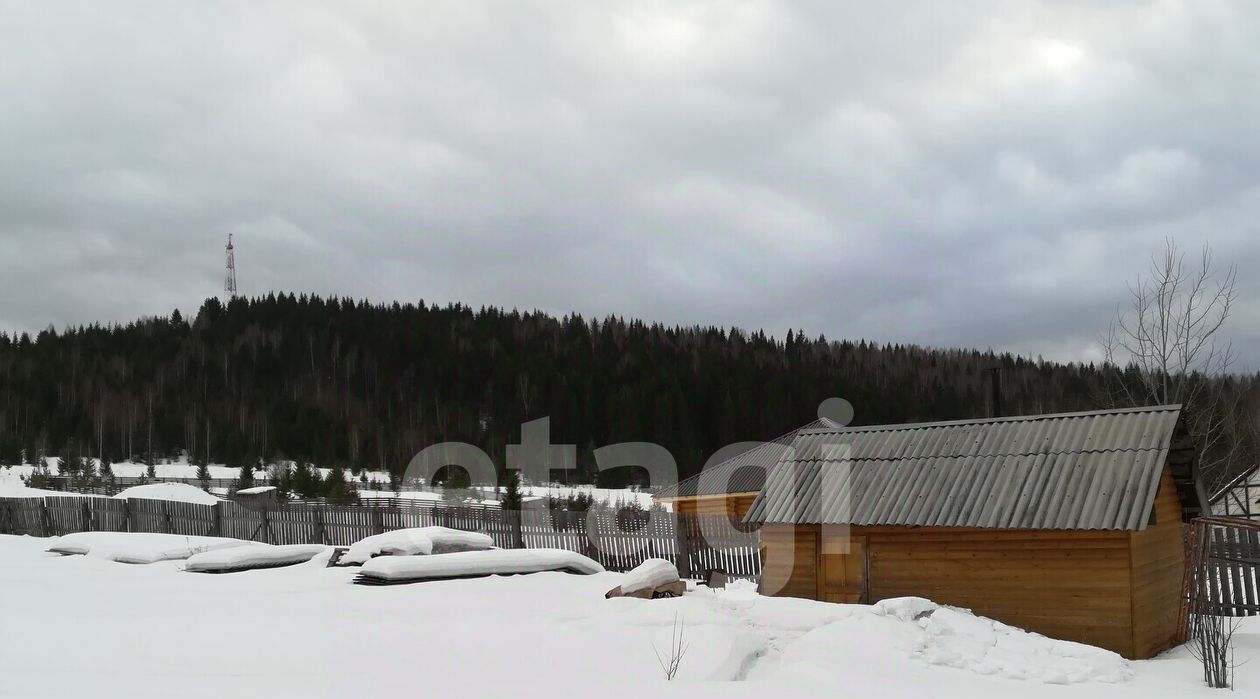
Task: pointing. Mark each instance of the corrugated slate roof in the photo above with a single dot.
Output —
(744, 473)
(1094, 470)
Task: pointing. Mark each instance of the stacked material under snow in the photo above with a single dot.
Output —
(421, 541)
(125, 547)
(472, 564)
(175, 492)
(240, 558)
(649, 575)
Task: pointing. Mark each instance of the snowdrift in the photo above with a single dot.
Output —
(422, 541)
(174, 492)
(140, 548)
(472, 564)
(241, 558)
(935, 636)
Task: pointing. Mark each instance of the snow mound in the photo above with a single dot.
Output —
(947, 637)
(478, 564)
(905, 608)
(649, 575)
(174, 492)
(957, 638)
(140, 548)
(252, 558)
(421, 541)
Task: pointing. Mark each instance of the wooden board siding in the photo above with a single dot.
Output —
(1071, 585)
(733, 504)
(1156, 569)
(842, 567)
(794, 575)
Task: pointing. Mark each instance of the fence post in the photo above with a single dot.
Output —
(319, 526)
(682, 539)
(216, 520)
(591, 518)
(514, 521)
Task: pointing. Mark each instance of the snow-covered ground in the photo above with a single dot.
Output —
(82, 626)
(11, 475)
(175, 468)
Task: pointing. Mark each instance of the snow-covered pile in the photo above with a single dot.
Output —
(252, 558)
(938, 636)
(125, 547)
(649, 575)
(479, 563)
(421, 541)
(174, 492)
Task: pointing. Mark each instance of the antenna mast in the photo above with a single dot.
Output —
(229, 279)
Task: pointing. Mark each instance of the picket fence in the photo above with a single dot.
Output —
(618, 539)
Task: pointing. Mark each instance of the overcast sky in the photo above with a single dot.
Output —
(985, 174)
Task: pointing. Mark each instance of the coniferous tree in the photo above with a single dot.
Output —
(245, 479)
(107, 473)
(512, 492)
(306, 482)
(41, 476)
(203, 474)
(336, 489)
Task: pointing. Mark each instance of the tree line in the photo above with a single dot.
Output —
(357, 385)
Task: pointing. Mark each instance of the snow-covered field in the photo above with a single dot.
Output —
(84, 626)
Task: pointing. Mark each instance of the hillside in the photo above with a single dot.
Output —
(360, 385)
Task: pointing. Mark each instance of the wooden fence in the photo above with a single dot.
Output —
(1222, 567)
(618, 539)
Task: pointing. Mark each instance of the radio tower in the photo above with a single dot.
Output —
(229, 279)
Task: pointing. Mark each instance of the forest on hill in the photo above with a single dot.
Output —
(337, 382)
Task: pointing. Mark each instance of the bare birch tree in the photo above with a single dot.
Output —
(1167, 345)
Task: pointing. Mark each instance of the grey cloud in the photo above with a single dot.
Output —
(976, 173)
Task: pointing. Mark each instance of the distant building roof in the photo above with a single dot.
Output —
(1092, 470)
(744, 473)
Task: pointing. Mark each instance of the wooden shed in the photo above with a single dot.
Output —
(1069, 525)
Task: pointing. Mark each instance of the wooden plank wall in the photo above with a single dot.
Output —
(1156, 569)
(733, 504)
(1071, 585)
(789, 560)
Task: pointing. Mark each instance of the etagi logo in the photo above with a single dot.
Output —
(804, 482)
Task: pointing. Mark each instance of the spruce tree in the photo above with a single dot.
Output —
(512, 492)
(246, 477)
(86, 473)
(41, 477)
(107, 473)
(306, 482)
(203, 474)
(336, 489)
